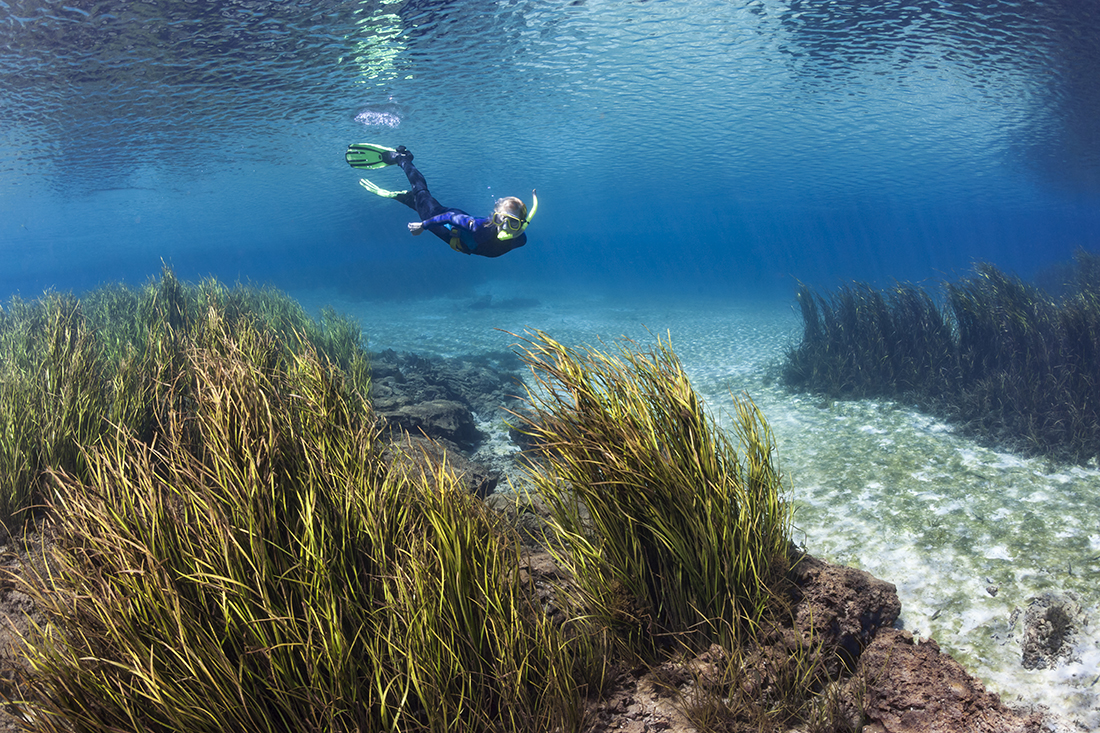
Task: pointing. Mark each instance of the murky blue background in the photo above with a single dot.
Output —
(708, 147)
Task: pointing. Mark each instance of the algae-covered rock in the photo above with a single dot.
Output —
(1051, 623)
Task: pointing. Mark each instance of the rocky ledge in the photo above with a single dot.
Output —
(869, 676)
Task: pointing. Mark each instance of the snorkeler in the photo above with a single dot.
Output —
(490, 237)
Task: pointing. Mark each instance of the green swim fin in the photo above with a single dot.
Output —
(367, 155)
(379, 191)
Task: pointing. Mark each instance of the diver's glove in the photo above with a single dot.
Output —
(416, 228)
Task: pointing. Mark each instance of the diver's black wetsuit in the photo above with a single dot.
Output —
(474, 236)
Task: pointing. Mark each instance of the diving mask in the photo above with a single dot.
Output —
(513, 226)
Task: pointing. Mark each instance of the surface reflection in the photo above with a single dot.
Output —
(802, 87)
(128, 83)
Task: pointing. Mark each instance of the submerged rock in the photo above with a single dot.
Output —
(431, 406)
(841, 606)
(913, 687)
(438, 397)
(445, 419)
(428, 455)
(486, 385)
(1051, 625)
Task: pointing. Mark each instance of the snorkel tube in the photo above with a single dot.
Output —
(504, 234)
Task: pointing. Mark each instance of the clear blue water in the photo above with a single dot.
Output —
(694, 161)
(692, 147)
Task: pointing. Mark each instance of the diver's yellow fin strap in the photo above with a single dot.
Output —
(379, 191)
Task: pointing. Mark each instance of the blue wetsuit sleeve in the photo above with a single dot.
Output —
(464, 221)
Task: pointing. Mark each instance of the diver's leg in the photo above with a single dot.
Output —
(418, 197)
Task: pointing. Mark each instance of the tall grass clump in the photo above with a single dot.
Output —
(52, 396)
(1030, 365)
(260, 567)
(1009, 361)
(863, 342)
(72, 369)
(673, 536)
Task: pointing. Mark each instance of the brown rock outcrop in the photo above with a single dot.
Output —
(842, 607)
(913, 687)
